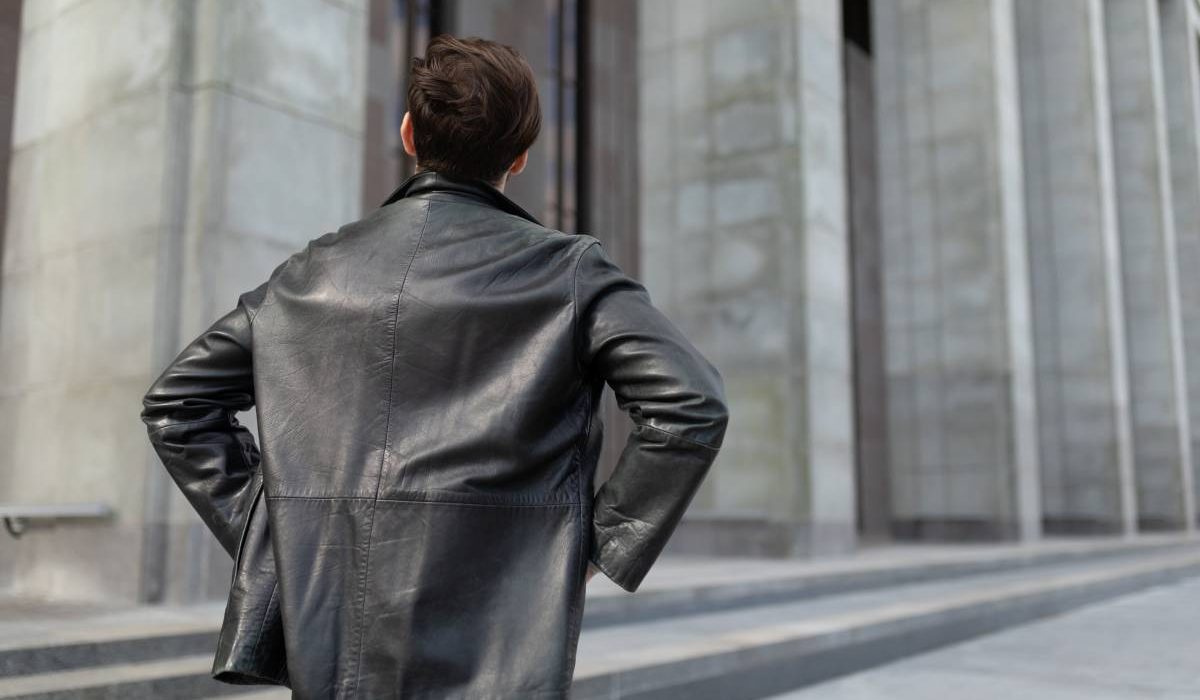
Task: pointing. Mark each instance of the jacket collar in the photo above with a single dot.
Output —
(478, 190)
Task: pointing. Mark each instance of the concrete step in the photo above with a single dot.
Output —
(684, 586)
(763, 650)
(40, 641)
(43, 638)
(181, 677)
(102, 654)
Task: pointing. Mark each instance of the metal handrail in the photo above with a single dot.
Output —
(17, 516)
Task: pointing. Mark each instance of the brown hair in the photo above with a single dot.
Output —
(474, 107)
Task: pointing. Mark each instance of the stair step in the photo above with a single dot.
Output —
(675, 587)
(182, 677)
(700, 628)
(762, 650)
(71, 640)
(65, 657)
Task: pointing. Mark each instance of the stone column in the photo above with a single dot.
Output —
(1180, 29)
(1154, 337)
(10, 38)
(962, 416)
(166, 157)
(1078, 317)
(744, 245)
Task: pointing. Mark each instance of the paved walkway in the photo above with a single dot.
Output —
(1145, 645)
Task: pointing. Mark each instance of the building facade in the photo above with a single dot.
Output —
(945, 253)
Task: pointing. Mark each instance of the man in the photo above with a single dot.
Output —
(420, 520)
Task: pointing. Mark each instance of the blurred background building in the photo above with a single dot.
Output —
(944, 252)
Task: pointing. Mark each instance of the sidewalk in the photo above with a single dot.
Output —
(1145, 645)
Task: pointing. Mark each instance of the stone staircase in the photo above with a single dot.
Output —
(698, 628)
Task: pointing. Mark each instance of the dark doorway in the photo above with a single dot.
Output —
(870, 385)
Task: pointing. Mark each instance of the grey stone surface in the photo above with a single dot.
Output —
(693, 618)
(1140, 646)
(301, 57)
(1179, 25)
(751, 652)
(744, 236)
(1079, 326)
(961, 414)
(161, 166)
(29, 622)
(1154, 336)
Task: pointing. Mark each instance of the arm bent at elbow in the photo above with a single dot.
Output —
(676, 400)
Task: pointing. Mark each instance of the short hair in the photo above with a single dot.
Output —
(474, 107)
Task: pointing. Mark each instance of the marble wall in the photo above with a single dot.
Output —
(744, 244)
(1040, 235)
(166, 156)
(1154, 333)
(1179, 25)
(961, 402)
(1075, 269)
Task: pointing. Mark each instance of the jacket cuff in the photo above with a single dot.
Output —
(612, 574)
(619, 566)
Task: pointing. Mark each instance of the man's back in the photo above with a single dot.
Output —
(422, 420)
(440, 327)
(417, 517)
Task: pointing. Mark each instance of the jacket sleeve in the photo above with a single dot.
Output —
(676, 400)
(189, 413)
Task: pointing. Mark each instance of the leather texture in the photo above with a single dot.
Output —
(416, 518)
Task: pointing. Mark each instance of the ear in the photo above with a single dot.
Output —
(519, 164)
(406, 135)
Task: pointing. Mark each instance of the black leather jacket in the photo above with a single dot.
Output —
(420, 516)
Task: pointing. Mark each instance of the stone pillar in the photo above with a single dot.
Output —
(1180, 28)
(962, 416)
(744, 245)
(10, 38)
(1078, 317)
(1154, 338)
(166, 157)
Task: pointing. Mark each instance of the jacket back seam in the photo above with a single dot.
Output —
(366, 569)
